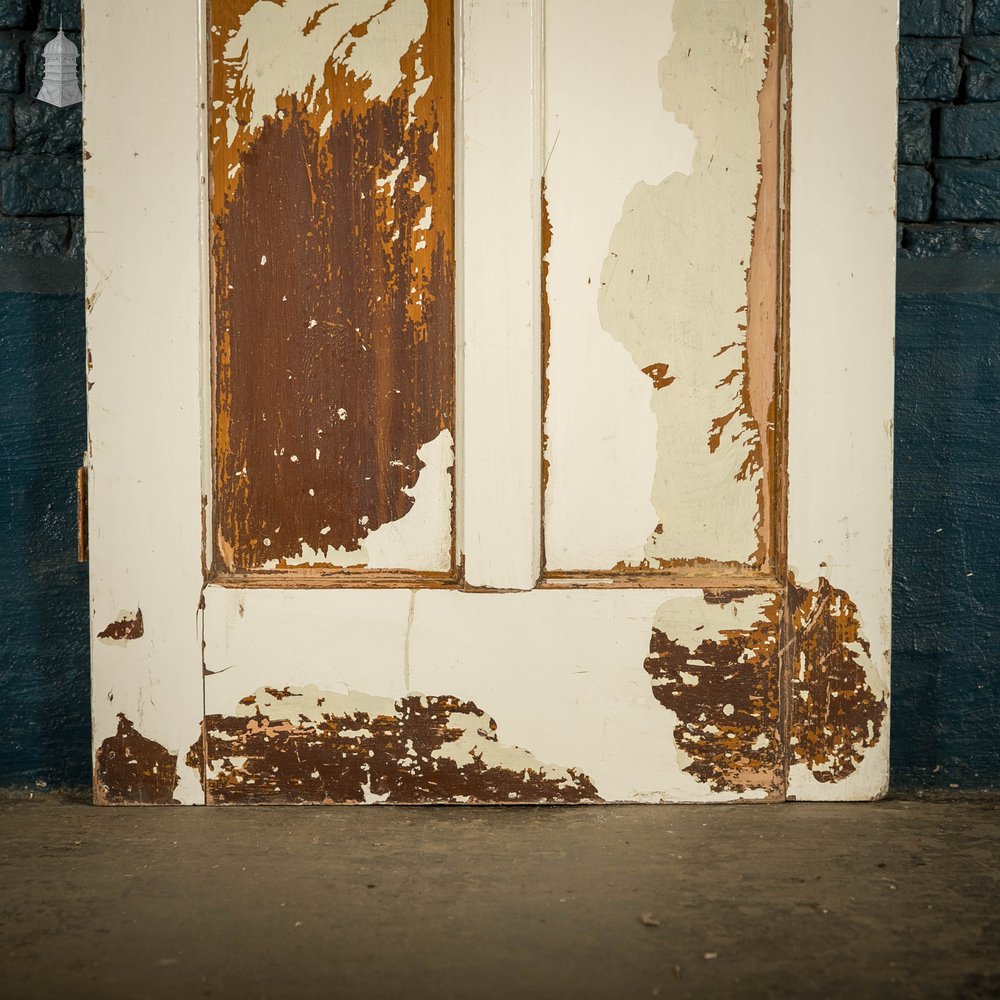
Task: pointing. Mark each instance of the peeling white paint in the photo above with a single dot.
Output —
(376, 55)
(670, 290)
(674, 282)
(476, 741)
(277, 57)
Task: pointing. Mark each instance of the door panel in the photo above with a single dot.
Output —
(568, 695)
(741, 652)
(662, 176)
(332, 175)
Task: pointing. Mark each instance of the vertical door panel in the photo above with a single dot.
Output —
(333, 265)
(661, 182)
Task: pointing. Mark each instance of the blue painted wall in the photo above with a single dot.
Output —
(44, 662)
(44, 666)
(946, 667)
(946, 585)
(946, 580)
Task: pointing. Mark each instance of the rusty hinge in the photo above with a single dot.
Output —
(82, 539)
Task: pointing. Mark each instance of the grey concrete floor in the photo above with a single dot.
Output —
(898, 899)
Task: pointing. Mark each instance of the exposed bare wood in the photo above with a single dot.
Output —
(332, 245)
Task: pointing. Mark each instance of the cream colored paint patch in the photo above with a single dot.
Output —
(474, 742)
(312, 704)
(672, 291)
(419, 540)
(283, 49)
(692, 622)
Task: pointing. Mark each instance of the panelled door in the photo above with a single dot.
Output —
(490, 400)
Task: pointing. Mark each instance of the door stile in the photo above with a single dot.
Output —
(146, 253)
(840, 400)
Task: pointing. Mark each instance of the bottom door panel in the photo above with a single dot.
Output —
(547, 696)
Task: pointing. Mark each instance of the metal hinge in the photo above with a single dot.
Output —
(82, 539)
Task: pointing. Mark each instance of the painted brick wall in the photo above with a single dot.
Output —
(946, 668)
(949, 128)
(41, 176)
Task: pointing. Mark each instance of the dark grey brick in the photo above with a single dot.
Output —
(914, 133)
(15, 13)
(982, 75)
(929, 69)
(34, 64)
(41, 185)
(971, 131)
(933, 17)
(986, 19)
(950, 239)
(934, 240)
(967, 191)
(34, 237)
(6, 123)
(42, 128)
(11, 66)
(914, 194)
(53, 10)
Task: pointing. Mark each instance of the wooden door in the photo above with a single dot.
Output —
(490, 401)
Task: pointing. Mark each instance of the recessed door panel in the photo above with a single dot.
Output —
(333, 284)
(662, 172)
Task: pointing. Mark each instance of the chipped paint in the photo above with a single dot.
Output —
(128, 625)
(132, 770)
(689, 257)
(715, 664)
(836, 716)
(348, 276)
(307, 745)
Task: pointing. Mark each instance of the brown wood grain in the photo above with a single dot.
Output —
(333, 314)
(763, 296)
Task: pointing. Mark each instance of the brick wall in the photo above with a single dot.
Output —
(949, 128)
(41, 177)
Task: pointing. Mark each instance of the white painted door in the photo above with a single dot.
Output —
(490, 403)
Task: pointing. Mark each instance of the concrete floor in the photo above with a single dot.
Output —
(898, 899)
